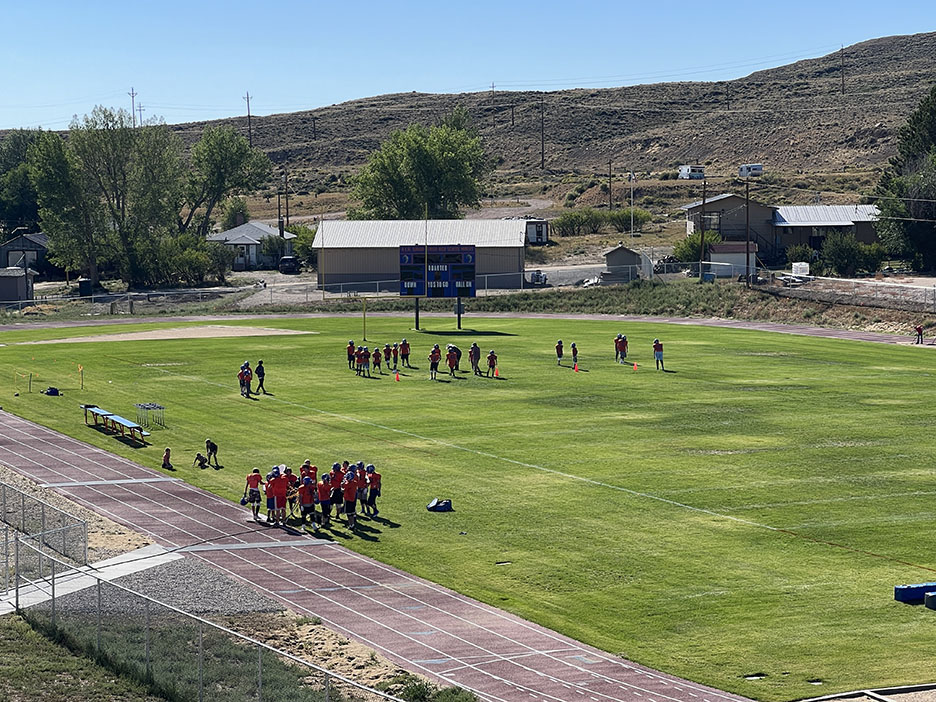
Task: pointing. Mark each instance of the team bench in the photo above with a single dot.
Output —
(115, 423)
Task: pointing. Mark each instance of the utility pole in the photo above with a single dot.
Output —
(133, 95)
(249, 130)
(286, 188)
(633, 179)
(542, 133)
(313, 128)
(610, 200)
(140, 112)
(702, 231)
(747, 226)
(728, 96)
(492, 104)
(511, 115)
(842, 66)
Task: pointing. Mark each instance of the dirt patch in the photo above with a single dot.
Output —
(309, 639)
(106, 538)
(210, 331)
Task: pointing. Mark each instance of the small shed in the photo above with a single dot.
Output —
(16, 284)
(622, 265)
(25, 250)
(247, 242)
(731, 258)
(537, 231)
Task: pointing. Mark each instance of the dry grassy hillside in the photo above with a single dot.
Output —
(792, 118)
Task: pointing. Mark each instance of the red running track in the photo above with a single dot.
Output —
(421, 626)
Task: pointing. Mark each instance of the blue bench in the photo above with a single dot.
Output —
(913, 593)
(115, 423)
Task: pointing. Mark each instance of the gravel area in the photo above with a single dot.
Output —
(197, 588)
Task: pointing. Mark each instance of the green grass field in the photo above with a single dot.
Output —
(748, 513)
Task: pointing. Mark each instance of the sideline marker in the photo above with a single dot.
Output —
(496, 374)
(575, 368)
(398, 376)
(635, 365)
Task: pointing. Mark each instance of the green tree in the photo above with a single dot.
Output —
(907, 190)
(841, 253)
(621, 219)
(273, 246)
(304, 243)
(72, 217)
(570, 223)
(422, 170)
(19, 204)
(235, 213)
(222, 163)
(592, 220)
(687, 250)
(800, 252)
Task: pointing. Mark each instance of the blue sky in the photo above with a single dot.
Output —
(196, 60)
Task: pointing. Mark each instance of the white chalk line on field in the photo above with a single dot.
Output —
(485, 454)
(832, 500)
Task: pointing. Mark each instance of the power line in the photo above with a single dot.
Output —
(132, 95)
(249, 130)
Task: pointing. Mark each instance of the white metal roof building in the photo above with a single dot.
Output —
(366, 254)
(247, 242)
(824, 215)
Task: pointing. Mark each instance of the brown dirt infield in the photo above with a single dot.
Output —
(210, 331)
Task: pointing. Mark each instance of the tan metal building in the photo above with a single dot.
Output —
(365, 255)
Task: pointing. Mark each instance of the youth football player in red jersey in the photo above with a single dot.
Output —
(492, 362)
(308, 494)
(324, 498)
(373, 483)
(574, 354)
(559, 352)
(376, 357)
(349, 490)
(252, 492)
(451, 358)
(386, 356)
(434, 357)
(395, 351)
(404, 353)
(351, 349)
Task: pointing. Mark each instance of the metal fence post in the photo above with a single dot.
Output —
(42, 528)
(23, 512)
(201, 664)
(53, 593)
(3, 486)
(84, 530)
(98, 616)
(259, 673)
(146, 669)
(6, 559)
(17, 568)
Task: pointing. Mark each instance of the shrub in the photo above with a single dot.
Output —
(304, 243)
(592, 220)
(568, 223)
(687, 250)
(621, 219)
(800, 252)
(842, 253)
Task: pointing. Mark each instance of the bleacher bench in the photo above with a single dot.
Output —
(115, 423)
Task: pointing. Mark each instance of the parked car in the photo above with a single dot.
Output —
(289, 264)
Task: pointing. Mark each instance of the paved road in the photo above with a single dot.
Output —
(418, 624)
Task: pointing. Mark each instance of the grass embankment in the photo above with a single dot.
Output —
(35, 669)
(748, 513)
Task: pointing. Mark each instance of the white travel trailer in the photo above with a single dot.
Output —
(692, 172)
(750, 169)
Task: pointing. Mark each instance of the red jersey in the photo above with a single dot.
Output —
(404, 348)
(373, 480)
(365, 355)
(310, 472)
(351, 349)
(492, 360)
(624, 345)
(619, 344)
(358, 356)
(386, 354)
(306, 493)
(324, 491)
(350, 488)
(377, 357)
(336, 477)
(278, 486)
(559, 350)
(435, 355)
(658, 347)
(254, 480)
(451, 358)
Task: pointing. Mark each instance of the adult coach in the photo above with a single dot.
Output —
(658, 354)
(404, 353)
(211, 451)
(261, 374)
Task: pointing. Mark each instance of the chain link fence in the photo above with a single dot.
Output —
(179, 655)
(52, 528)
(859, 293)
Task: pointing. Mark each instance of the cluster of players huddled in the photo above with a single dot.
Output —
(310, 498)
(397, 355)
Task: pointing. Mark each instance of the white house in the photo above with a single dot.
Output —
(247, 240)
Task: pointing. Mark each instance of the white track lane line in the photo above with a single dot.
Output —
(379, 565)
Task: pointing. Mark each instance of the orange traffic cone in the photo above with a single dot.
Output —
(398, 376)
(635, 365)
(575, 367)
(496, 374)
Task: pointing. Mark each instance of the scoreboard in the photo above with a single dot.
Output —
(437, 271)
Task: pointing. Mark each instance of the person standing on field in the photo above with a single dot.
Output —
(396, 352)
(386, 357)
(623, 348)
(261, 373)
(451, 358)
(474, 357)
(351, 349)
(919, 332)
(492, 362)
(211, 451)
(559, 352)
(404, 353)
(617, 348)
(658, 354)
(574, 354)
(434, 357)
(376, 358)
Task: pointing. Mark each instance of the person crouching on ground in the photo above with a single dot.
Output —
(200, 461)
(166, 463)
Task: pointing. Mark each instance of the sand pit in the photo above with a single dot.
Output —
(210, 331)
